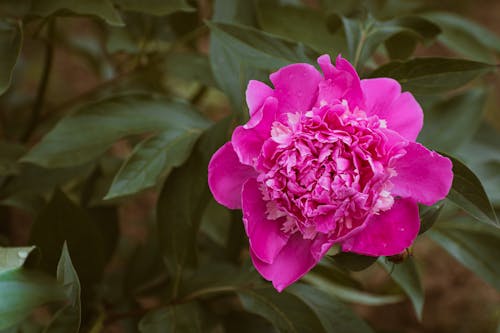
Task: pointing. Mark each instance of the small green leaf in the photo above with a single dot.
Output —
(452, 122)
(61, 221)
(102, 123)
(11, 39)
(432, 75)
(67, 319)
(406, 275)
(466, 37)
(301, 309)
(155, 7)
(185, 318)
(152, 158)
(101, 8)
(468, 193)
(474, 245)
(429, 216)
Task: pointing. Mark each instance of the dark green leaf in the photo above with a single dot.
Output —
(406, 275)
(101, 123)
(181, 204)
(67, 319)
(452, 122)
(302, 309)
(401, 46)
(466, 37)
(185, 318)
(289, 22)
(155, 7)
(235, 50)
(474, 245)
(429, 216)
(352, 261)
(234, 11)
(11, 37)
(189, 66)
(468, 193)
(152, 158)
(432, 75)
(61, 221)
(9, 154)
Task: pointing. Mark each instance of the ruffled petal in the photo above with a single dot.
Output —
(257, 92)
(226, 176)
(293, 262)
(422, 175)
(296, 87)
(401, 111)
(389, 233)
(341, 82)
(266, 237)
(248, 139)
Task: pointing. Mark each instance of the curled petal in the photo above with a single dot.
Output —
(422, 175)
(257, 92)
(389, 233)
(248, 140)
(296, 87)
(266, 237)
(226, 176)
(401, 111)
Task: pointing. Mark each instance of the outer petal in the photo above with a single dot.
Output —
(402, 112)
(296, 87)
(341, 82)
(266, 237)
(422, 175)
(389, 233)
(257, 92)
(248, 140)
(226, 176)
(293, 262)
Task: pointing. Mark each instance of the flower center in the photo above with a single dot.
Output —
(326, 171)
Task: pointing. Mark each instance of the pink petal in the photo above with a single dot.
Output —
(422, 175)
(401, 111)
(341, 82)
(266, 237)
(257, 92)
(248, 140)
(389, 233)
(226, 176)
(296, 87)
(293, 262)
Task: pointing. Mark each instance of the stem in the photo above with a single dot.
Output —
(359, 48)
(44, 81)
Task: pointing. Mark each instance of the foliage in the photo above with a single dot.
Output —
(111, 110)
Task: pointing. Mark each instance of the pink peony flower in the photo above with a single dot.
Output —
(327, 159)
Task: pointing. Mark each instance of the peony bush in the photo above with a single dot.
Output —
(260, 166)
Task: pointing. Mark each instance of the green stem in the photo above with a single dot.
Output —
(359, 48)
(43, 85)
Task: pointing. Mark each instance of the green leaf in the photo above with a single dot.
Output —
(102, 123)
(432, 75)
(468, 193)
(406, 275)
(11, 39)
(189, 66)
(101, 8)
(234, 11)
(452, 122)
(67, 319)
(474, 245)
(152, 158)
(236, 49)
(353, 261)
(429, 216)
(61, 221)
(185, 318)
(180, 207)
(23, 290)
(303, 309)
(155, 7)
(9, 154)
(289, 22)
(466, 37)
